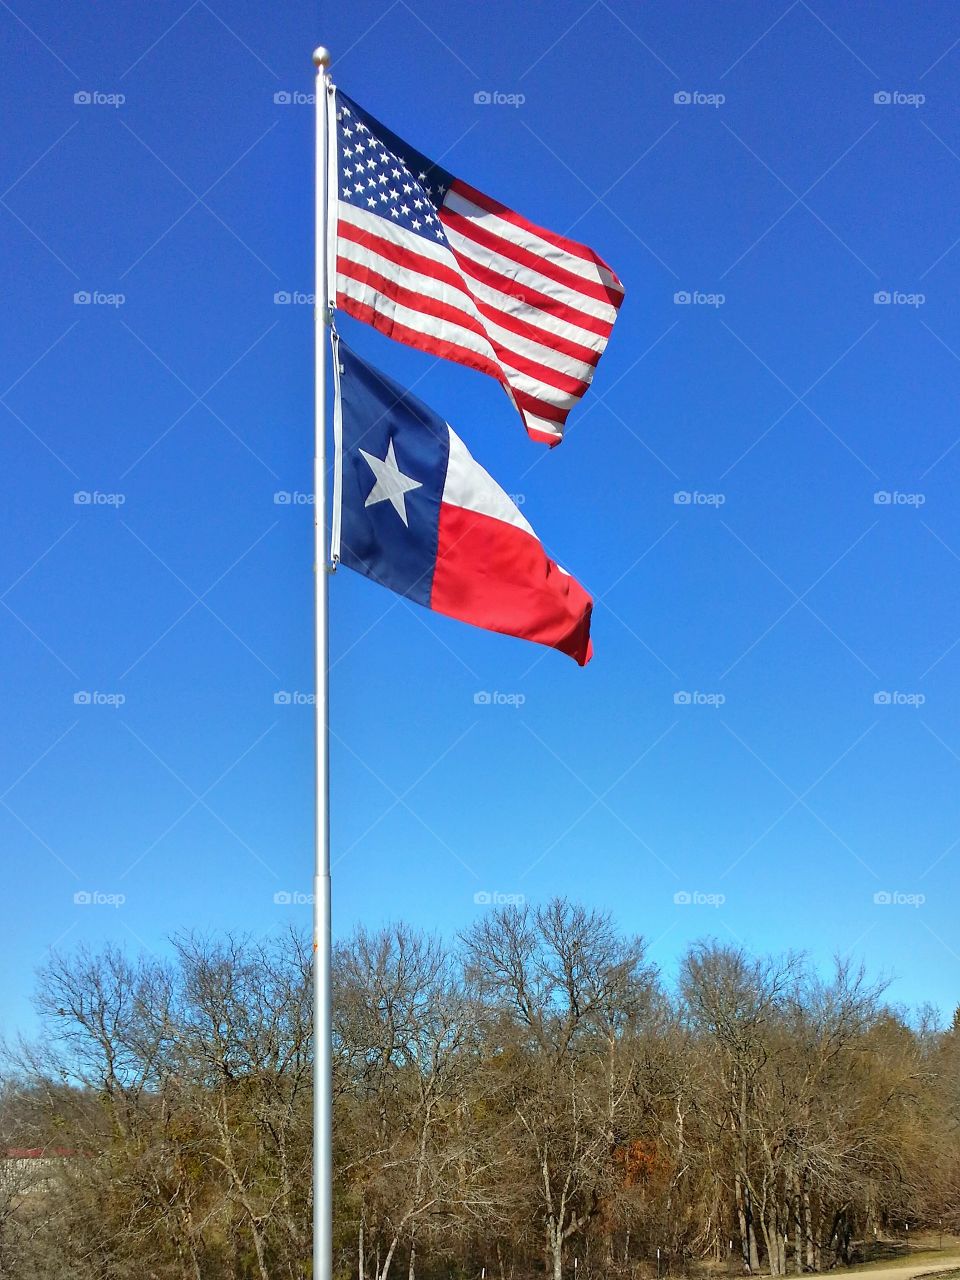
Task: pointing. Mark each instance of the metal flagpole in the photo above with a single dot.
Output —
(322, 1016)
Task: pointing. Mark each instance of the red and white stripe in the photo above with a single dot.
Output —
(530, 308)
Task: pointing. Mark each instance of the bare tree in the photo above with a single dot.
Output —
(562, 990)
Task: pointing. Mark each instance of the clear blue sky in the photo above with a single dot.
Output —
(798, 398)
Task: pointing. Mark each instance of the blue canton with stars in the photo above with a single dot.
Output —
(384, 175)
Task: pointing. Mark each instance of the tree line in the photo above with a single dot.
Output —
(532, 1099)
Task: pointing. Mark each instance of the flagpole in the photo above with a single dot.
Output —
(322, 1009)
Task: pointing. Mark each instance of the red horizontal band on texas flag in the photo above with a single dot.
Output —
(497, 576)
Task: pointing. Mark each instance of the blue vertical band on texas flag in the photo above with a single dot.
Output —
(419, 515)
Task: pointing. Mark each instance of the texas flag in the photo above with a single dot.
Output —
(415, 512)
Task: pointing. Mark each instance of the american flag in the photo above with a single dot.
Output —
(434, 263)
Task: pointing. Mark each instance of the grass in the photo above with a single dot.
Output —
(922, 1257)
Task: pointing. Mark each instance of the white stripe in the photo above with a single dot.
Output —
(508, 341)
(546, 426)
(408, 279)
(533, 387)
(503, 339)
(371, 222)
(467, 485)
(433, 327)
(526, 239)
(526, 277)
(533, 315)
(504, 345)
(447, 331)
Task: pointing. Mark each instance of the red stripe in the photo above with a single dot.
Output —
(539, 408)
(523, 257)
(411, 298)
(548, 378)
(496, 576)
(414, 300)
(533, 333)
(462, 355)
(573, 247)
(403, 257)
(543, 437)
(540, 301)
(420, 263)
(416, 338)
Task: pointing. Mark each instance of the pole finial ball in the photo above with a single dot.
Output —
(321, 56)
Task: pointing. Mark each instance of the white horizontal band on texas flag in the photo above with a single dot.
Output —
(436, 264)
(415, 512)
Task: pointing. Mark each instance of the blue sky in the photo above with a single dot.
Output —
(770, 725)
